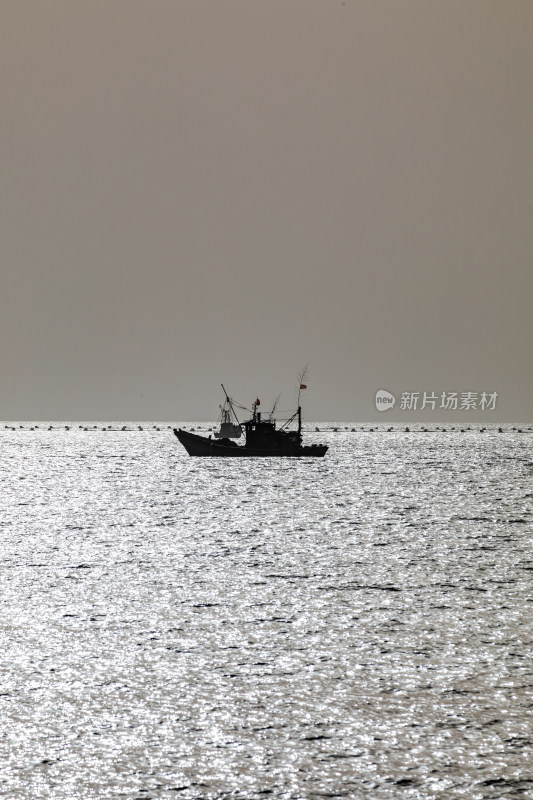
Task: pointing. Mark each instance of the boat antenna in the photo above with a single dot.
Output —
(228, 399)
(302, 377)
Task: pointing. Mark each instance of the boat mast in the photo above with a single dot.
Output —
(301, 385)
(228, 399)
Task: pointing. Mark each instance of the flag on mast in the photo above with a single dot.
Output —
(303, 386)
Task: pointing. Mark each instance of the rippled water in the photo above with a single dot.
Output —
(354, 626)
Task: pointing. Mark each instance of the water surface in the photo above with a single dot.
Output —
(353, 626)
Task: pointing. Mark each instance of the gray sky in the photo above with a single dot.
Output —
(197, 191)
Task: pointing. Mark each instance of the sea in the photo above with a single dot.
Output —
(357, 626)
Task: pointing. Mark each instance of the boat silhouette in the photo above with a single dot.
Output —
(262, 439)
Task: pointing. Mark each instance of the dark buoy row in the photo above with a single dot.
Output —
(334, 429)
(82, 428)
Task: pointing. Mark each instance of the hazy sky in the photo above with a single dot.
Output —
(197, 191)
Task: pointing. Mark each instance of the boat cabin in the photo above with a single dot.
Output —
(263, 435)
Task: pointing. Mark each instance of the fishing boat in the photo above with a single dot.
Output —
(262, 439)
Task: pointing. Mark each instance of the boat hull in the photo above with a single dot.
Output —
(202, 446)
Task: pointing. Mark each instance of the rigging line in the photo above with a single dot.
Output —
(289, 421)
(230, 401)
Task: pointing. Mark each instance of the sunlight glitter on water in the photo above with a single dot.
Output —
(357, 626)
